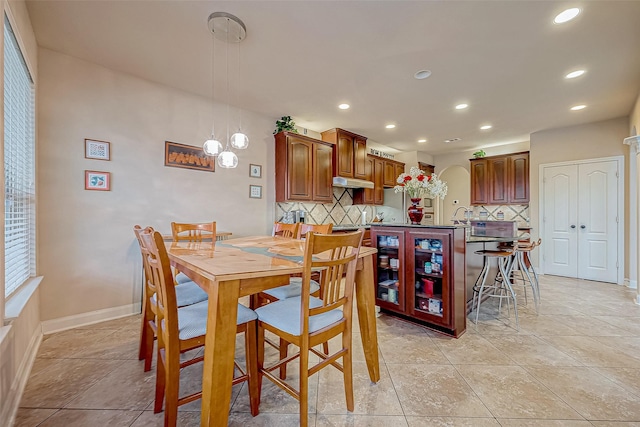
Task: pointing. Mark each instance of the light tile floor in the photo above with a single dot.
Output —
(575, 364)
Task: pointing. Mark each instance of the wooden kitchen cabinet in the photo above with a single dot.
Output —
(420, 275)
(349, 154)
(304, 169)
(375, 173)
(392, 170)
(500, 180)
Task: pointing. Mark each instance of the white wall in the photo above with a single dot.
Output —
(589, 141)
(87, 250)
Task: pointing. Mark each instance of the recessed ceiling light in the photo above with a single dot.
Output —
(390, 126)
(422, 74)
(344, 106)
(461, 106)
(422, 140)
(578, 107)
(485, 127)
(574, 74)
(453, 140)
(566, 15)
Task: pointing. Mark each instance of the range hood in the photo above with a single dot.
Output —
(342, 182)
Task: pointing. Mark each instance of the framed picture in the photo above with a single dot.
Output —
(255, 171)
(99, 150)
(255, 191)
(187, 157)
(95, 180)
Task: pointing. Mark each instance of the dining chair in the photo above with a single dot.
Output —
(187, 293)
(303, 229)
(192, 232)
(307, 322)
(181, 330)
(285, 230)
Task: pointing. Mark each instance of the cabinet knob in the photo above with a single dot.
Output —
(583, 226)
(573, 226)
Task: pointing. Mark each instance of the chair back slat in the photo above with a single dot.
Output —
(335, 255)
(193, 232)
(285, 230)
(316, 228)
(149, 287)
(160, 273)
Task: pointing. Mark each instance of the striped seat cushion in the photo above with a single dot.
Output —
(188, 293)
(285, 315)
(192, 319)
(293, 289)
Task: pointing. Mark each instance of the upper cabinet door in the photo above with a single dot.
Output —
(378, 180)
(479, 190)
(360, 158)
(389, 174)
(519, 178)
(498, 184)
(299, 164)
(344, 152)
(322, 173)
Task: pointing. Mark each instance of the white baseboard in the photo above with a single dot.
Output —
(84, 319)
(22, 375)
(632, 284)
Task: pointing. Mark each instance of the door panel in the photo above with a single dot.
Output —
(560, 201)
(580, 220)
(597, 213)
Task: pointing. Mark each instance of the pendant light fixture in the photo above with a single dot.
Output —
(212, 147)
(239, 139)
(230, 29)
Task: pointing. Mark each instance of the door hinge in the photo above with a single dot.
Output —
(617, 265)
(617, 174)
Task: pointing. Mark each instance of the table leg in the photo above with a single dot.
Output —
(365, 301)
(220, 346)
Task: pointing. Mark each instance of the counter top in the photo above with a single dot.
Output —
(382, 224)
(488, 239)
(350, 227)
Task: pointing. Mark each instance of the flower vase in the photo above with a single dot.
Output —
(415, 211)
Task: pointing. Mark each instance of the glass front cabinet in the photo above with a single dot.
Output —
(428, 283)
(389, 276)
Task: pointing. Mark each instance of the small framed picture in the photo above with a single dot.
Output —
(255, 171)
(100, 181)
(255, 191)
(99, 150)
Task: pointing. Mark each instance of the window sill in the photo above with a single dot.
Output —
(17, 301)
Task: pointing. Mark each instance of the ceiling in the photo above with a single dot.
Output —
(506, 59)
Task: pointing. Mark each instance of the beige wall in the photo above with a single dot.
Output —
(87, 250)
(589, 141)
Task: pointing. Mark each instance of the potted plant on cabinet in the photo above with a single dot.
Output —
(285, 124)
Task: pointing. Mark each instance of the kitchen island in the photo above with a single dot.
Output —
(420, 274)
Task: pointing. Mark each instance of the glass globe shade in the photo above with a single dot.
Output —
(227, 159)
(239, 140)
(212, 147)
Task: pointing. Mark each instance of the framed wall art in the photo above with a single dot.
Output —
(187, 157)
(255, 191)
(255, 171)
(96, 180)
(98, 150)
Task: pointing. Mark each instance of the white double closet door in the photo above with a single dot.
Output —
(581, 220)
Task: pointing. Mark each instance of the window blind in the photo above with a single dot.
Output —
(19, 165)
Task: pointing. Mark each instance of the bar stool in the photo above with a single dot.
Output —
(501, 286)
(522, 262)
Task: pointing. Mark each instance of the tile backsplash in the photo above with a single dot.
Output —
(341, 212)
(518, 213)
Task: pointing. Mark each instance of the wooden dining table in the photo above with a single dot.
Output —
(235, 268)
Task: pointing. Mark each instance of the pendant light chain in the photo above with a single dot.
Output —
(227, 65)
